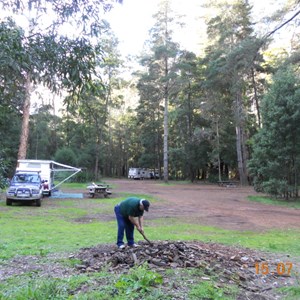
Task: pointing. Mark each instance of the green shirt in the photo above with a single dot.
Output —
(131, 207)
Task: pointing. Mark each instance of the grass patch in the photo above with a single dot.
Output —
(277, 241)
(57, 226)
(80, 185)
(209, 290)
(139, 283)
(291, 293)
(52, 235)
(36, 289)
(273, 201)
(29, 286)
(66, 225)
(27, 230)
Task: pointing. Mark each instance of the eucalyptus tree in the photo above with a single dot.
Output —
(45, 57)
(275, 162)
(149, 124)
(10, 124)
(187, 139)
(230, 58)
(157, 84)
(127, 148)
(150, 119)
(109, 70)
(45, 135)
(92, 106)
(3, 172)
(11, 89)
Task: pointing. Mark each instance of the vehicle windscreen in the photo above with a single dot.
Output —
(26, 178)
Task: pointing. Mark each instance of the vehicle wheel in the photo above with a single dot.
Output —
(8, 202)
(38, 202)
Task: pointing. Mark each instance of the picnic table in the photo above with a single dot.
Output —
(100, 189)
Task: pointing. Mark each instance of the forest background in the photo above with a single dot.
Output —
(229, 111)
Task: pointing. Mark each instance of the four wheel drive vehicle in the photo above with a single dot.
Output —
(25, 186)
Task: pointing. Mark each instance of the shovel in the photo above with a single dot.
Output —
(145, 238)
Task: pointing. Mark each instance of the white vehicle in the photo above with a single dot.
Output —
(43, 167)
(154, 175)
(139, 173)
(25, 186)
(134, 173)
(47, 170)
(145, 174)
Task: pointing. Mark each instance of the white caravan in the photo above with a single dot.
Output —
(47, 170)
(139, 173)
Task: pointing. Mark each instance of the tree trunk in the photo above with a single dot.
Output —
(25, 120)
(190, 133)
(256, 98)
(166, 167)
(218, 146)
(240, 155)
(240, 141)
(166, 129)
(97, 155)
(246, 155)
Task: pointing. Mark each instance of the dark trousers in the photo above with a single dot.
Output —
(124, 224)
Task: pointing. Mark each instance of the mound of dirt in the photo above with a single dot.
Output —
(232, 265)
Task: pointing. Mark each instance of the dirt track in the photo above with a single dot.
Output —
(225, 207)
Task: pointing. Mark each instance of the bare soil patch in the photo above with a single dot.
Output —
(208, 204)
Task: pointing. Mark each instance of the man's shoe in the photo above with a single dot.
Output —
(121, 246)
(134, 245)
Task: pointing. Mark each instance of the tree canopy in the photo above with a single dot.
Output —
(229, 112)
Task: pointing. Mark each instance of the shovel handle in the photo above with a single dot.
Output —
(145, 237)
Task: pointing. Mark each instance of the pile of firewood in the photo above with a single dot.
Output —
(230, 264)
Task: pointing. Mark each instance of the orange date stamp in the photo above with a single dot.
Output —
(283, 269)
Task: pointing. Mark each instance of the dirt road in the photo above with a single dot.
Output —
(225, 207)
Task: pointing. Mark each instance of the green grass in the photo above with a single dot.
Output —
(66, 225)
(284, 241)
(56, 226)
(292, 292)
(29, 286)
(83, 186)
(209, 290)
(273, 201)
(138, 283)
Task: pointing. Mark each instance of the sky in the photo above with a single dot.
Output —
(132, 20)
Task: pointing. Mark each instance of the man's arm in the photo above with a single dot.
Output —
(141, 223)
(137, 222)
